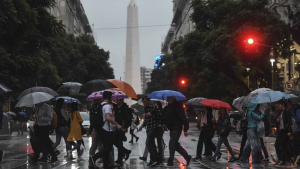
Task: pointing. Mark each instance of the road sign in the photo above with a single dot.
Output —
(289, 85)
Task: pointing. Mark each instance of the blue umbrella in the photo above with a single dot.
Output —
(67, 99)
(163, 94)
(22, 113)
(268, 97)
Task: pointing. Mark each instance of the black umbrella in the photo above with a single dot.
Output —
(195, 102)
(295, 92)
(95, 86)
(37, 89)
(4, 89)
(69, 89)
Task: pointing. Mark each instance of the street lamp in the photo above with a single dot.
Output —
(248, 69)
(272, 61)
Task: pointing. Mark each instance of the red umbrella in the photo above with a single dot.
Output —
(216, 104)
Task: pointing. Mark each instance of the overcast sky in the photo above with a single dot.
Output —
(113, 14)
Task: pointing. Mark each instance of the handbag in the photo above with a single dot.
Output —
(83, 131)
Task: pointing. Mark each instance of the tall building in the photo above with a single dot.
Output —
(145, 78)
(132, 63)
(181, 24)
(73, 16)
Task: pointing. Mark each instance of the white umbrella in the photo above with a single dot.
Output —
(254, 93)
(34, 98)
(237, 103)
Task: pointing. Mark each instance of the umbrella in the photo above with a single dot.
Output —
(67, 99)
(268, 97)
(34, 98)
(37, 89)
(95, 86)
(294, 99)
(22, 113)
(69, 89)
(195, 102)
(4, 89)
(115, 94)
(163, 94)
(237, 103)
(295, 92)
(124, 87)
(216, 104)
(11, 113)
(252, 94)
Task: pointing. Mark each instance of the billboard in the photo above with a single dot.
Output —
(157, 60)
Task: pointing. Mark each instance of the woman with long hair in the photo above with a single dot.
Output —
(75, 132)
(223, 124)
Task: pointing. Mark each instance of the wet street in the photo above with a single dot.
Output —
(17, 148)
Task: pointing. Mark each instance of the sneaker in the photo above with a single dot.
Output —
(169, 166)
(152, 163)
(53, 160)
(2, 156)
(189, 161)
(127, 155)
(143, 158)
(81, 151)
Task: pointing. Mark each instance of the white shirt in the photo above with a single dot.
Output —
(106, 109)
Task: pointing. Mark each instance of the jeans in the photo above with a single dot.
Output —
(96, 142)
(252, 144)
(159, 136)
(44, 141)
(225, 141)
(263, 147)
(106, 138)
(281, 145)
(61, 132)
(174, 145)
(76, 147)
(118, 142)
(151, 134)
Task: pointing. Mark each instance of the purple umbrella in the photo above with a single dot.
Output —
(11, 113)
(115, 95)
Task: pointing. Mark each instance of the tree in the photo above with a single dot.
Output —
(212, 58)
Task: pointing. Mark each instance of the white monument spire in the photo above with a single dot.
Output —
(132, 66)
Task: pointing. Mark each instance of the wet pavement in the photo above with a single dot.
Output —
(17, 148)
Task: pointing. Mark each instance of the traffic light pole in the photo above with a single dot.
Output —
(289, 39)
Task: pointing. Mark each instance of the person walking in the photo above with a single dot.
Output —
(122, 117)
(105, 133)
(282, 140)
(206, 134)
(134, 122)
(178, 120)
(44, 117)
(153, 124)
(2, 153)
(244, 129)
(294, 146)
(62, 122)
(223, 130)
(75, 132)
(253, 142)
(21, 119)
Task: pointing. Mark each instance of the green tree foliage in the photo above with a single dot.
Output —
(34, 48)
(212, 58)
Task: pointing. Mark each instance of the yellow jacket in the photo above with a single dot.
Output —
(75, 129)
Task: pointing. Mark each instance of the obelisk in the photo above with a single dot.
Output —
(132, 66)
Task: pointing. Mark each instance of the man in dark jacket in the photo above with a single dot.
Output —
(122, 117)
(175, 128)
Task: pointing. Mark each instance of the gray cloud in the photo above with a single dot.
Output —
(113, 14)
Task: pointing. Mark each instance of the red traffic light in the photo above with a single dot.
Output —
(182, 81)
(250, 41)
(184, 106)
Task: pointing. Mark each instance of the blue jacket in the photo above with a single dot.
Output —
(296, 116)
(252, 117)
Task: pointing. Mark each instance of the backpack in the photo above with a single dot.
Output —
(294, 123)
(96, 117)
(167, 115)
(54, 121)
(137, 122)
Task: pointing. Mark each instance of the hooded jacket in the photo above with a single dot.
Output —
(252, 117)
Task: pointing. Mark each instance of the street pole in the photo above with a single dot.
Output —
(248, 81)
(289, 43)
(248, 69)
(272, 78)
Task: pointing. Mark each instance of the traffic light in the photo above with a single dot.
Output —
(182, 82)
(249, 45)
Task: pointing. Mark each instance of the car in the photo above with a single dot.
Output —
(86, 121)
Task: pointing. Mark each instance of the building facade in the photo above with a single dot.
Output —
(145, 77)
(72, 15)
(181, 24)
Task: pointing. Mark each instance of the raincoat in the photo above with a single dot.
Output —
(252, 117)
(75, 129)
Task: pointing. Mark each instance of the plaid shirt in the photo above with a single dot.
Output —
(153, 121)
